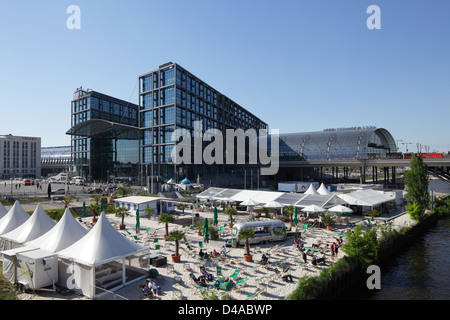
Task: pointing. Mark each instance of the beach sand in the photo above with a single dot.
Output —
(260, 283)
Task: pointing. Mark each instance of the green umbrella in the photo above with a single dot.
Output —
(138, 224)
(215, 216)
(84, 209)
(205, 231)
(101, 207)
(295, 216)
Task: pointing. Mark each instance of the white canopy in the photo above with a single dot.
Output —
(311, 190)
(101, 245)
(313, 208)
(366, 197)
(273, 204)
(13, 219)
(340, 209)
(323, 190)
(3, 211)
(38, 224)
(66, 232)
(249, 203)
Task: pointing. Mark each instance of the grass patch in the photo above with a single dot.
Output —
(7, 290)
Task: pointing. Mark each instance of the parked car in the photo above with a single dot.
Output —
(59, 191)
(95, 190)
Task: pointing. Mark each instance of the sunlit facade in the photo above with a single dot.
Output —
(173, 98)
(105, 136)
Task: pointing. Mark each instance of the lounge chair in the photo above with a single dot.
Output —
(235, 274)
(240, 285)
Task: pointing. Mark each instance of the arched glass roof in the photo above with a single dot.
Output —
(336, 144)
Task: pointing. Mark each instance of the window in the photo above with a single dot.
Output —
(147, 83)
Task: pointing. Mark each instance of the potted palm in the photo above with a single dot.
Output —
(166, 218)
(328, 220)
(199, 226)
(182, 207)
(149, 212)
(121, 211)
(230, 212)
(176, 235)
(95, 207)
(246, 234)
(289, 210)
(67, 200)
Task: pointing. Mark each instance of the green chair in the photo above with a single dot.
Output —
(235, 274)
(200, 244)
(219, 271)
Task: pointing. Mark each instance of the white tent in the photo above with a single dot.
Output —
(66, 232)
(313, 209)
(13, 219)
(311, 190)
(366, 198)
(340, 209)
(323, 190)
(273, 204)
(3, 211)
(97, 259)
(38, 224)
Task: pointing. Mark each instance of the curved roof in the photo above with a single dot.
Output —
(99, 128)
(336, 144)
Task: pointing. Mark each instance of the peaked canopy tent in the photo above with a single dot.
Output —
(98, 260)
(38, 224)
(311, 190)
(15, 217)
(323, 190)
(65, 233)
(3, 211)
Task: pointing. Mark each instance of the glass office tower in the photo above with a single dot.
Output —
(105, 137)
(173, 98)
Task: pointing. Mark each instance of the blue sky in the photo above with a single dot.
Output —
(299, 65)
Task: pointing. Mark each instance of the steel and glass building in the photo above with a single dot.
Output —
(173, 98)
(105, 136)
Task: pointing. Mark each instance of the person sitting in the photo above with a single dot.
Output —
(201, 281)
(264, 260)
(201, 254)
(220, 281)
(285, 277)
(145, 290)
(214, 254)
(153, 287)
(208, 276)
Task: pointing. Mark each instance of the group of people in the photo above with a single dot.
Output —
(334, 247)
(203, 278)
(213, 254)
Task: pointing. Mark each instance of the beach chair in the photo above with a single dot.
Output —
(200, 244)
(170, 268)
(177, 294)
(219, 271)
(240, 285)
(235, 273)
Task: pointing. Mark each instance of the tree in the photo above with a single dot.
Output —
(246, 234)
(182, 207)
(166, 218)
(176, 235)
(289, 210)
(149, 211)
(362, 246)
(95, 208)
(67, 200)
(416, 180)
(230, 212)
(123, 191)
(121, 211)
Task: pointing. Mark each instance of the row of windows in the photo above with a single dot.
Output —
(159, 154)
(150, 82)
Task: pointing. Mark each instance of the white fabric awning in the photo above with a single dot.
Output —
(366, 197)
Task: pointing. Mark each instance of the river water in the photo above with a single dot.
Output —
(421, 272)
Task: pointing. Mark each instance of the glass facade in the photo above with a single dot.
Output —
(178, 99)
(336, 144)
(106, 156)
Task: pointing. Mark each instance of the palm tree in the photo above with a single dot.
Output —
(182, 207)
(67, 200)
(121, 211)
(230, 212)
(176, 235)
(289, 210)
(95, 208)
(123, 191)
(246, 234)
(149, 211)
(166, 218)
